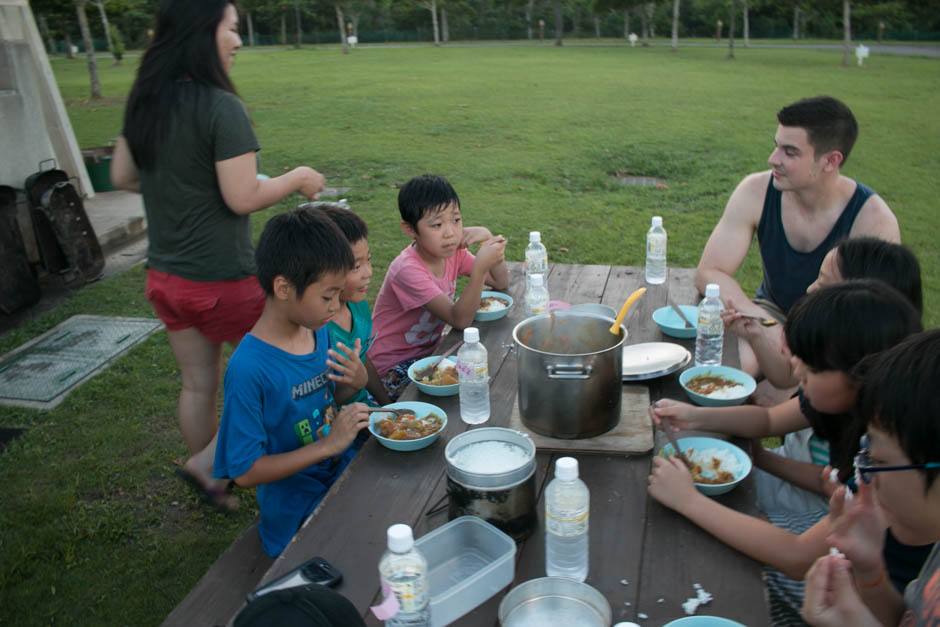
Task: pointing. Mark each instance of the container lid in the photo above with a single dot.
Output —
(566, 468)
(656, 221)
(400, 538)
(535, 236)
(502, 477)
(471, 334)
(712, 290)
(536, 280)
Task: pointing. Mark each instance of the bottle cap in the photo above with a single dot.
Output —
(471, 334)
(657, 221)
(712, 290)
(535, 236)
(566, 468)
(400, 539)
(537, 280)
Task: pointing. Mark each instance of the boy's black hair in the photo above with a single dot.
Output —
(422, 195)
(829, 123)
(300, 245)
(899, 396)
(834, 327)
(352, 226)
(874, 258)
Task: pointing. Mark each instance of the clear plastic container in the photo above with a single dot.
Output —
(469, 560)
(474, 376)
(710, 333)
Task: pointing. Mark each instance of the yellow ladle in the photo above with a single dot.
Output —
(615, 327)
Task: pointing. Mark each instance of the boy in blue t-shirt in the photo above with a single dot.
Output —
(353, 321)
(280, 430)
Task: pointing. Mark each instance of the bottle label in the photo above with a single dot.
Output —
(656, 248)
(564, 524)
(473, 372)
(412, 594)
(710, 324)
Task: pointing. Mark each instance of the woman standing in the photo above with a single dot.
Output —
(188, 146)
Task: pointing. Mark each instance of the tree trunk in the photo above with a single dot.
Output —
(597, 27)
(432, 7)
(747, 28)
(645, 26)
(107, 27)
(626, 23)
(650, 7)
(675, 25)
(846, 31)
(445, 26)
(796, 22)
(734, 9)
(89, 49)
(283, 27)
(529, 6)
(251, 29)
(68, 39)
(559, 23)
(300, 34)
(44, 28)
(341, 22)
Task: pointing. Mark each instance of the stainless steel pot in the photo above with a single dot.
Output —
(569, 368)
(504, 499)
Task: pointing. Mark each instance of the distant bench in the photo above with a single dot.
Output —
(220, 593)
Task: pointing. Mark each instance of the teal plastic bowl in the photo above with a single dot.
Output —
(672, 325)
(486, 316)
(727, 372)
(427, 388)
(420, 410)
(703, 444)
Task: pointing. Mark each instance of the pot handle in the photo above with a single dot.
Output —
(573, 371)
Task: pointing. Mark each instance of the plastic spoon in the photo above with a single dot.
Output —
(615, 327)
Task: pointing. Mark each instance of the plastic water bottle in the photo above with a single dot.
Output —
(536, 296)
(405, 571)
(473, 373)
(710, 333)
(656, 252)
(536, 257)
(567, 507)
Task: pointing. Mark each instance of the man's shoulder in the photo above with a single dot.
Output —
(755, 183)
(747, 202)
(876, 219)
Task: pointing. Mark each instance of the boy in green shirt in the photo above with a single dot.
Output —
(354, 319)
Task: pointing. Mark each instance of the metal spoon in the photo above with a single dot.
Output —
(666, 427)
(767, 322)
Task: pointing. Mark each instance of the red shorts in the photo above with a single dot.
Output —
(223, 311)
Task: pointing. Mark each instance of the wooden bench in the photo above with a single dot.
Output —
(220, 593)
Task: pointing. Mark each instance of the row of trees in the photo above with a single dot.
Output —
(107, 24)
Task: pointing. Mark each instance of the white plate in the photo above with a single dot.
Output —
(653, 359)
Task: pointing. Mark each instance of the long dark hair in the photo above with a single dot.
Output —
(183, 49)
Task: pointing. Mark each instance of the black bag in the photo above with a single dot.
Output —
(52, 255)
(18, 285)
(64, 209)
(311, 605)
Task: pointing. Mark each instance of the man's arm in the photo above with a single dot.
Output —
(730, 240)
(876, 220)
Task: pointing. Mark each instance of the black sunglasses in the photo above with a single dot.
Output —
(865, 469)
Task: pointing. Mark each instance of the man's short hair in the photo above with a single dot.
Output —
(352, 226)
(829, 123)
(898, 395)
(301, 245)
(422, 195)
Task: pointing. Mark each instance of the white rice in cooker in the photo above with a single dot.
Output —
(490, 457)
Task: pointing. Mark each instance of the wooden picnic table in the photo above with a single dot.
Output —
(632, 537)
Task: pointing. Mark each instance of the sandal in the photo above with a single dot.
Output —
(217, 497)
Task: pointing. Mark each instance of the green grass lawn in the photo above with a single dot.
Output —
(96, 530)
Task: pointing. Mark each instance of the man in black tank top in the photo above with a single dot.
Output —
(799, 209)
